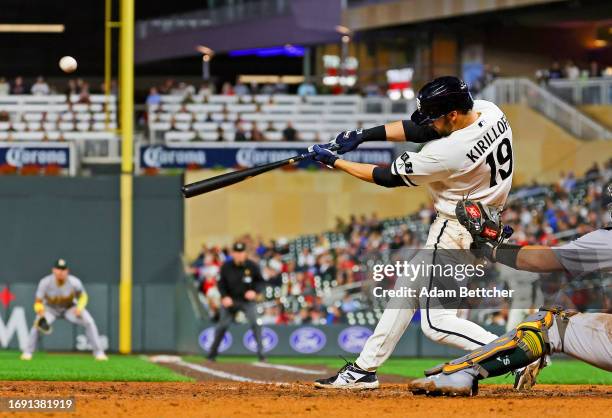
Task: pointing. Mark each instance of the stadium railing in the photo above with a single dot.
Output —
(91, 126)
(316, 118)
(524, 91)
(592, 91)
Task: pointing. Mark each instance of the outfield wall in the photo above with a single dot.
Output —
(78, 219)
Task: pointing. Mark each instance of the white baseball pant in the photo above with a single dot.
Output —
(440, 325)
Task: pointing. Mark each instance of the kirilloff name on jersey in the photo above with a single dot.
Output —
(482, 145)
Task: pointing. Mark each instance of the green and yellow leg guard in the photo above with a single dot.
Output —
(513, 350)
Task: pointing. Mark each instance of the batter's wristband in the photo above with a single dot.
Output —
(507, 254)
(377, 133)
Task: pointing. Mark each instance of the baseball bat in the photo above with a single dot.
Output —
(227, 179)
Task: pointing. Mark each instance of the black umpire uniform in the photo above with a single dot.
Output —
(238, 276)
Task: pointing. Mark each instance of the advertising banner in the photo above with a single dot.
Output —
(18, 155)
(244, 155)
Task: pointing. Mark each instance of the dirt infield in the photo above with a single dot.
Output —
(225, 399)
(217, 394)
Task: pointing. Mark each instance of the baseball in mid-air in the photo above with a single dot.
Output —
(68, 64)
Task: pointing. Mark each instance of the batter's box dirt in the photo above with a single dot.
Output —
(232, 399)
(262, 372)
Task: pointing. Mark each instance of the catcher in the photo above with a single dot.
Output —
(61, 295)
(585, 336)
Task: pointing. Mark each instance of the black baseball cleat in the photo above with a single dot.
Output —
(349, 377)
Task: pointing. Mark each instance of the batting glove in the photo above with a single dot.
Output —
(347, 140)
(323, 155)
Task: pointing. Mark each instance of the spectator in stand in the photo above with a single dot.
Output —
(254, 87)
(306, 88)
(594, 69)
(268, 89)
(167, 87)
(5, 87)
(593, 172)
(72, 88)
(18, 86)
(220, 134)
(349, 304)
(153, 98)
(241, 89)
(84, 93)
(569, 182)
(114, 89)
(255, 134)
(281, 88)
(289, 133)
(40, 87)
(555, 71)
(572, 72)
(240, 134)
(227, 89)
(206, 89)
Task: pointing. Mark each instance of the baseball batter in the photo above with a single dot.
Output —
(61, 295)
(585, 336)
(471, 155)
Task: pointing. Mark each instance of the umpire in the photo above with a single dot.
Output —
(238, 285)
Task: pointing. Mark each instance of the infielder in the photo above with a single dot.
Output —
(62, 295)
(472, 156)
(585, 336)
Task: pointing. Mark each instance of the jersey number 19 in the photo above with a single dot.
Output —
(501, 156)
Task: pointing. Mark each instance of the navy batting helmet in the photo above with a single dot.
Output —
(439, 97)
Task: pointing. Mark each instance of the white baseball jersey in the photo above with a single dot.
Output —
(476, 161)
(59, 297)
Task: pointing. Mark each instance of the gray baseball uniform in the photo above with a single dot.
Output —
(591, 252)
(61, 302)
(588, 336)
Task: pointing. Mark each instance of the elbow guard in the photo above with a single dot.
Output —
(417, 133)
(383, 177)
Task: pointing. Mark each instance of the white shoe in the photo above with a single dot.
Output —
(26, 356)
(349, 377)
(101, 357)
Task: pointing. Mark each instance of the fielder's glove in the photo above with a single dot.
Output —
(486, 233)
(323, 155)
(42, 325)
(347, 141)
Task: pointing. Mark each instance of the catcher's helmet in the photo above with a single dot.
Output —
(439, 97)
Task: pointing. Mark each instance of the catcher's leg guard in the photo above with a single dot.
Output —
(513, 350)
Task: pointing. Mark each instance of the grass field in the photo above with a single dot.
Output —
(82, 367)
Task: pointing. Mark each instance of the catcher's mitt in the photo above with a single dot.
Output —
(42, 325)
(486, 233)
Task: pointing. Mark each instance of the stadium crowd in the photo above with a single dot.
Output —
(323, 279)
(572, 71)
